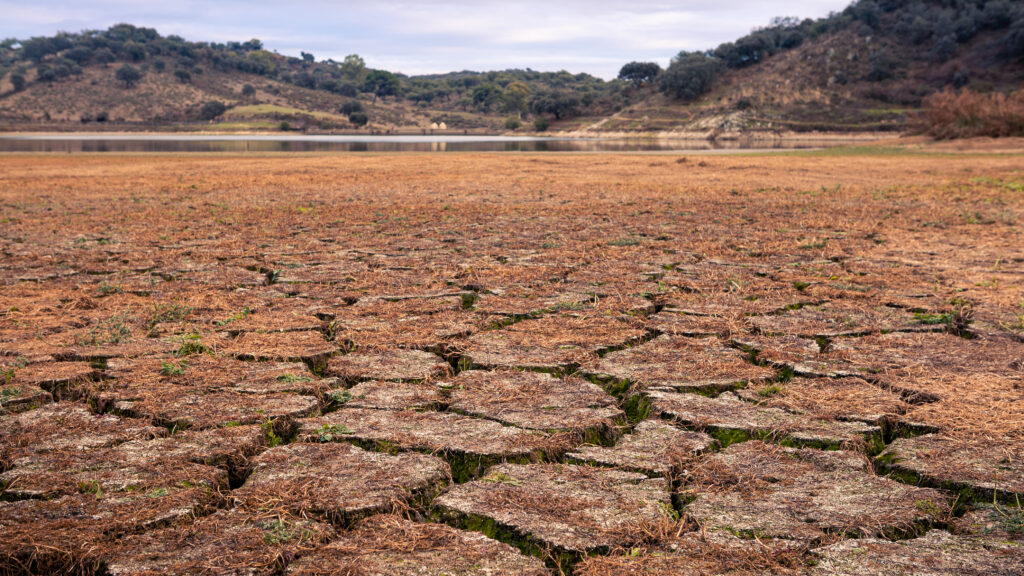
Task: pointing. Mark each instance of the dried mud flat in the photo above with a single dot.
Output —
(512, 364)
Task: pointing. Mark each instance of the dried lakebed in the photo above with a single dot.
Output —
(518, 365)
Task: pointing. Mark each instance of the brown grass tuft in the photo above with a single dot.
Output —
(966, 114)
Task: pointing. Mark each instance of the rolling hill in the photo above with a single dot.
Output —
(867, 68)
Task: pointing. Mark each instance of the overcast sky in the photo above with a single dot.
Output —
(419, 37)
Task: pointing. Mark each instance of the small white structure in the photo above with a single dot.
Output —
(443, 126)
(433, 125)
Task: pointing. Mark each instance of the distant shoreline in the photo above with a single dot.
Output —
(753, 136)
(674, 136)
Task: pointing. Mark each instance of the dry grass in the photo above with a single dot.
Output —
(967, 114)
(176, 287)
(841, 398)
(381, 542)
(236, 541)
(805, 495)
(697, 554)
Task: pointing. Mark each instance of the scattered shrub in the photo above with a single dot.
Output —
(883, 66)
(639, 73)
(560, 104)
(961, 78)
(346, 89)
(944, 48)
(45, 74)
(104, 56)
(358, 119)
(1013, 42)
(690, 75)
(128, 74)
(212, 109)
(351, 107)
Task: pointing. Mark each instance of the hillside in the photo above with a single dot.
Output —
(867, 68)
(96, 100)
(129, 77)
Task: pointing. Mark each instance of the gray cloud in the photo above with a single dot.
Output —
(426, 37)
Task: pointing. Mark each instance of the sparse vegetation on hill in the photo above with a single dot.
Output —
(173, 79)
(864, 68)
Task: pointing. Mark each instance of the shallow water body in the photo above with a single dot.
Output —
(73, 143)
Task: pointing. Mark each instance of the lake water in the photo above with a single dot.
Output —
(70, 143)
